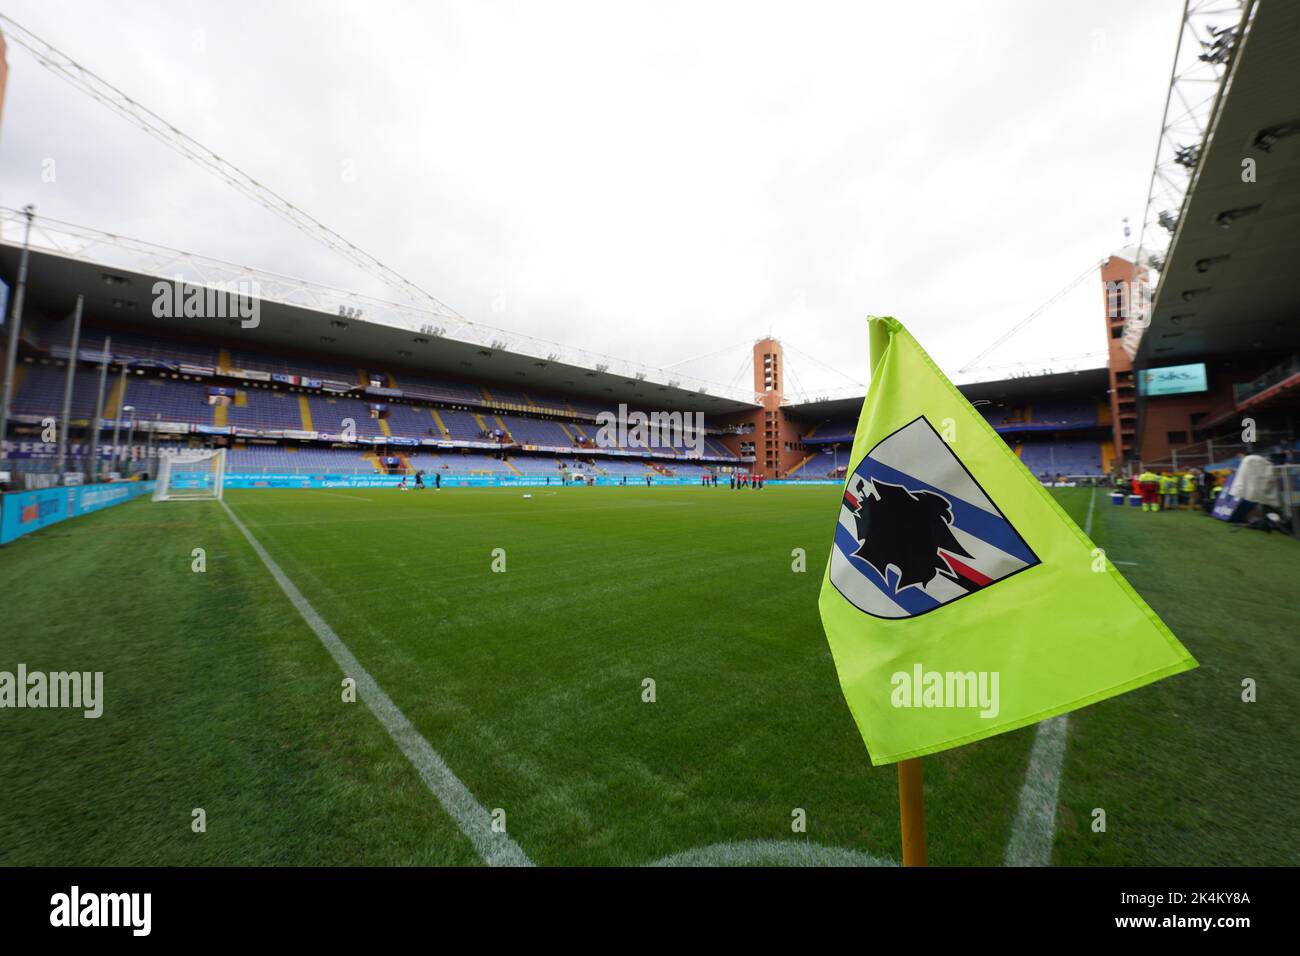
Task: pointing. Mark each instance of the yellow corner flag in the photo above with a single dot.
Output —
(960, 601)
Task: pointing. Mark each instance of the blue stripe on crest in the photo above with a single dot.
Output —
(913, 600)
(989, 528)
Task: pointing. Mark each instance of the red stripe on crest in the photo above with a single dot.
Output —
(966, 571)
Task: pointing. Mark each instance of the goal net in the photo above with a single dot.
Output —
(191, 474)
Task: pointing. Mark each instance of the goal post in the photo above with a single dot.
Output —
(193, 474)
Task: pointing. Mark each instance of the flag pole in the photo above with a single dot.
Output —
(911, 812)
(911, 801)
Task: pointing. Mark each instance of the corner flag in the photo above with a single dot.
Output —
(960, 601)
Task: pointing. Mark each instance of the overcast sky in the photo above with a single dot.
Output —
(654, 181)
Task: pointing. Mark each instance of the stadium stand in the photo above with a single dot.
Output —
(461, 463)
(460, 412)
(532, 465)
(413, 421)
(1076, 459)
(536, 431)
(616, 467)
(40, 392)
(439, 391)
(283, 365)
(1081, 412)
(831, 432)
(504, 395)
(295, 459)
(167, 400)
(683, 469)
(1057, 425)
(331, 414)
(258, 408)
(280, 410)
(461, 424)
(129, 346)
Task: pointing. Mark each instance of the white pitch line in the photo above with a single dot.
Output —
(335, 494)
(1087, 522)
(1035, 826)
(496, 849)
(1034, 831)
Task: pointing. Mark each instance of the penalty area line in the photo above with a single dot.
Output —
(496, 849)
(335, 494)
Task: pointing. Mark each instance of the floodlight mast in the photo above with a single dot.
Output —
(100, 90)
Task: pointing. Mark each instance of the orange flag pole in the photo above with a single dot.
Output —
(911, 812)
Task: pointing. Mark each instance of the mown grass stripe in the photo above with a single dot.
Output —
(496, 849)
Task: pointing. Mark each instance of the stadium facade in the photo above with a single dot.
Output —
(300, 389)
(303, 389)
(1216, 356)
(297, 389)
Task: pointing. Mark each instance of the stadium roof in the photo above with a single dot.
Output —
(1230, 282)
(310, 318)
(1021, 388)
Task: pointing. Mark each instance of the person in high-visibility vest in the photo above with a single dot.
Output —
(1169, 490)
(1186, 488)
(1149, 485)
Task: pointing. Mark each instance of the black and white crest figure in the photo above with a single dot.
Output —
(905, 530)
(917, 531)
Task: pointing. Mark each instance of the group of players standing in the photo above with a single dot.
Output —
(708, 480)
(735, 480)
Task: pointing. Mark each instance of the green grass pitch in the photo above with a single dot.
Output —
(529, 684)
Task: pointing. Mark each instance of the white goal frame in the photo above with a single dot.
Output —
(201, 473)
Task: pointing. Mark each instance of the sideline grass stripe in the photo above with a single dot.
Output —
(496, 849)
(1034, 831)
